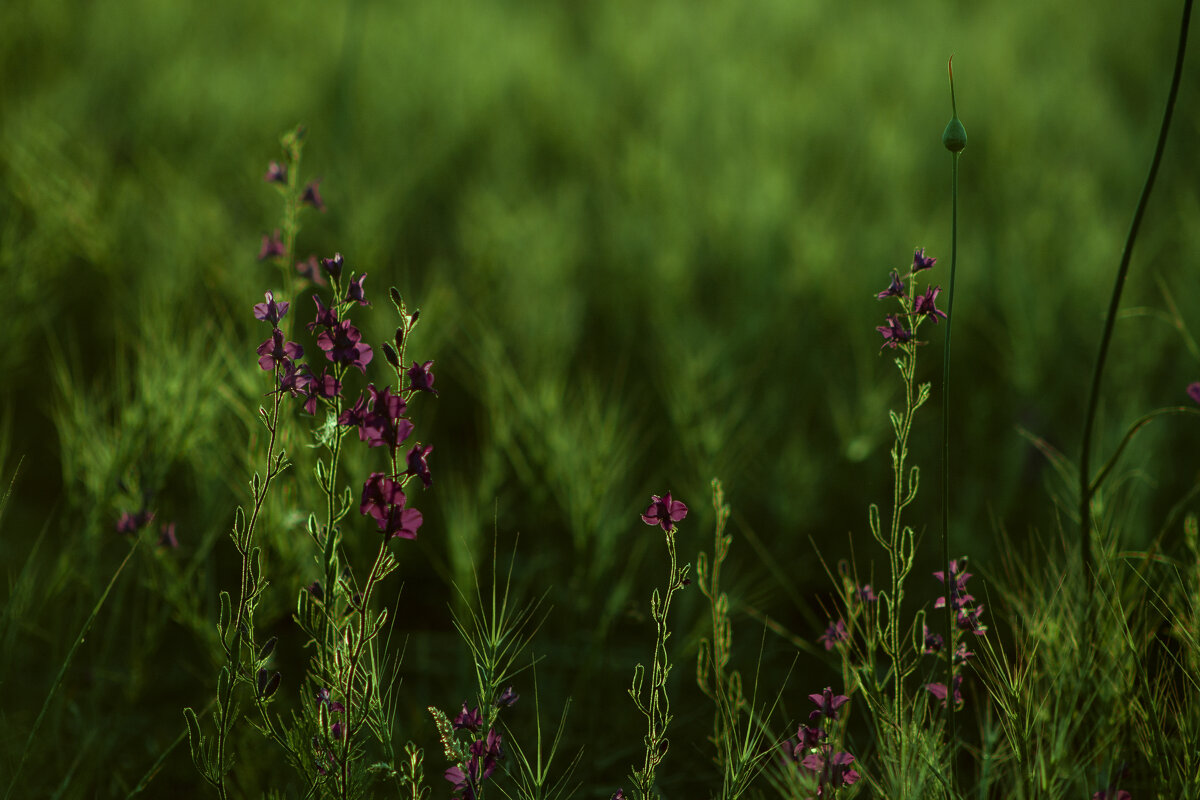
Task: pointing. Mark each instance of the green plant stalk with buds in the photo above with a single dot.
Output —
(657, 709)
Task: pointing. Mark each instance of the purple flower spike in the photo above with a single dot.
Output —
(895, 288)
(418, 465)
(924, 304)
(355, 290)
(1193, 391)
(276, 173)
(834, 635)
(272, 247)
(920, 261)
(420, 377)
(832, 769)
(312, 197)
(894, 333)
(665, 512)
(827, 704)
(343, 345)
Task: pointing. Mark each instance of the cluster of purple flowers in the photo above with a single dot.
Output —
(968, 620)
(336, 731)
(811, 751)
(132, 522)
(484, 752)
(858, 598)
(901, 328)
(379, 414)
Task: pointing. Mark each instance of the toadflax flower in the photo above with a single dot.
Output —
(271, 311)
(665, 512)
(343, 344)
(923, 304)
(921, 261)
(420, 377)
(895, 288)
(418, 463)
(832, 769)
(827, 704)
(834, 635)
(894, 333)
(272, 246)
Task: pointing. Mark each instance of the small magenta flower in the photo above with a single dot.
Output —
(401, 523)
(923, 304)
(308, 269)
(865, 594)
(325, 699)
(333, 266)
(468, 720)
(507, 698)
(354, 292)
(895, 288)
(166, 536)
(418, 464)
(378, 494)
(938, 690)
(271, 311)
(832, 769)
(1193, 391)
(420, 377)
(275, 351)
(834, 635)
(276, 173)
(894, 334)
(382, 424)
(132, 523)
(807, 739)
(343, 344)
(325, 316)
(318, 594)
(933, 641)
(272, 247)
(312, 197)
(827, 704)
(665, 512)
(920, 261)
(620, 795)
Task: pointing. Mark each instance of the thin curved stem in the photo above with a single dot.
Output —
(949, 636)
(1086, 487)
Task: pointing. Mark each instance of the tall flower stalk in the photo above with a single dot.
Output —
(955, 140)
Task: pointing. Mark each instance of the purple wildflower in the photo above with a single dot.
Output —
(312, 197)
(827, 704)
(379, 492)
(1110, 794)
(468, 720)
(938, 690)
(325, 699)
(807, 739)
(1193, 391)
(166, 536)
(420, 377)
(933, 641)
(620, 795)
(333, 266)
(308, 269)
(271, 311)
(354, 292)
(418, 464)
(132, 523)
(920, 261)
(507, 698)
(401, 523)
(276, 173)
(865, 593)
(894, 333)
(665, 512)
(343, 344)
(325, 316)
(923, 304)
(383, 424)
(832, 769)
(272, 246)
(968, 620)
(895, 288)
(834, 635)
(275, 351)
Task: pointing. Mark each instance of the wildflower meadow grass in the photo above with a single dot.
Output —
(514, 439)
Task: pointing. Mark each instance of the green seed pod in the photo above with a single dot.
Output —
(955, 136)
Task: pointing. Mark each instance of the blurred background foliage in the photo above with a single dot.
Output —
(645, 239)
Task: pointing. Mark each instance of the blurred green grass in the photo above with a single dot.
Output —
(645, 240)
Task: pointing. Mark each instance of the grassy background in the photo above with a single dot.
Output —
(645, 241)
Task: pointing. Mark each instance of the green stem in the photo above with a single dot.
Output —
(1086, 488)
(949, 579)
